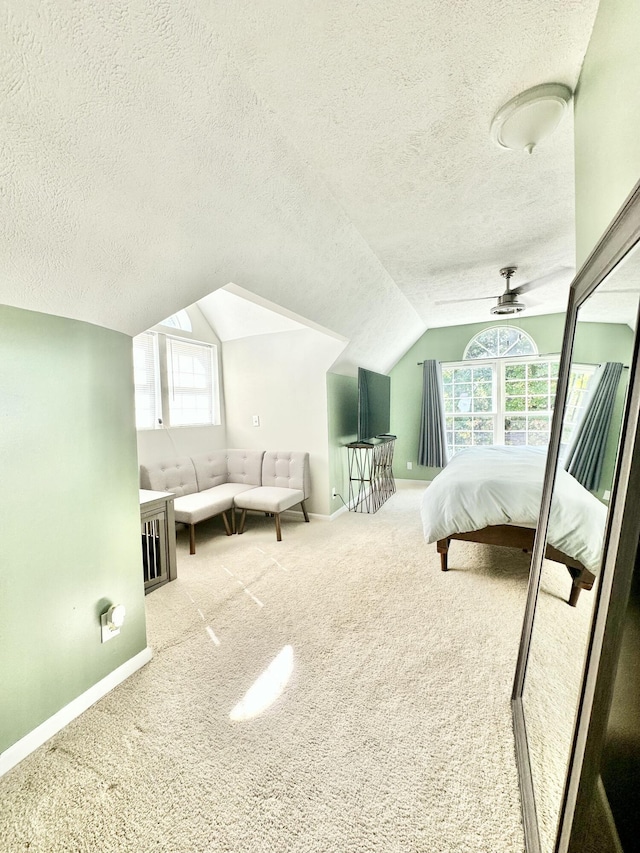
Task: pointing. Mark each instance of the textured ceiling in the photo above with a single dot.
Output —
(333, 158)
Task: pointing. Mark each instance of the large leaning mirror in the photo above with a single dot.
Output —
(577, 500)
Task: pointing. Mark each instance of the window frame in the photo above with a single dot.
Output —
(493, 413)
(174, 387)
(164, 382)
(499, 411)
(497, 329)
(180, 320)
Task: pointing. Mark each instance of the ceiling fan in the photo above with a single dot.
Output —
(508, 301)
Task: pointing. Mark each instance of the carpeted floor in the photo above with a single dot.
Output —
(393, 733)
(552, 689)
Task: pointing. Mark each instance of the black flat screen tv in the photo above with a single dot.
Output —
(374, 404)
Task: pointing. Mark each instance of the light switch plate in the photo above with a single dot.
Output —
(256, 420)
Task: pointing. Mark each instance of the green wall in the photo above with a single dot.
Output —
(595, 342)
(607, 121)
(602, 342)
(70, 513)
(607, 129)
(342, 415)
(447, 344)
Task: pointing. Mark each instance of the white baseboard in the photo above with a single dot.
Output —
(294, 513)
(338, 512)
(26, 745)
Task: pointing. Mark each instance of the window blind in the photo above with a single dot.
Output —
(191, 378)
(146, 379)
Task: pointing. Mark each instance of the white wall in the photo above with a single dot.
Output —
(281, 377)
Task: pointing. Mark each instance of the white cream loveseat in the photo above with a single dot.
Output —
(214, 483)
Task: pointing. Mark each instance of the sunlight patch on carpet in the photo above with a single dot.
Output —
(213, 636)
(266, 688)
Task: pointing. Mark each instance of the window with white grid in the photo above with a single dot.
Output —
(470, 404)
(507, 399)
(529, 395)
(190, 374)
(176, 382)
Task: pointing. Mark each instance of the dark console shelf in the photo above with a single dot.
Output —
(371, 481)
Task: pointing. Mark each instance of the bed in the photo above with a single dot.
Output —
(492, 495)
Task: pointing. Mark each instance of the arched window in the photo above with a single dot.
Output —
(503, 392)
(500, 342)
(179, 320)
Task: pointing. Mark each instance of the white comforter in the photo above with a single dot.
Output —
(483, 486)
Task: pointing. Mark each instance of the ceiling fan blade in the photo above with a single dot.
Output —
(538, 282)
(457, 301)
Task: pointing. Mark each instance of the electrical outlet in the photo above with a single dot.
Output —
(111, 621)
(409, 466)
(256, 420)
(606, 495)
(333, 492)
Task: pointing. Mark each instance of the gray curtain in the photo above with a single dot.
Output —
(586, 452)
(432, 450)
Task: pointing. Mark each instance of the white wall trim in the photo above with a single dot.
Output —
(31, 741)
(297, 513)
(322, 516)
(338, 512)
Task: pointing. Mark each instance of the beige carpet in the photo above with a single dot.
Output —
(552, 688)
(393, 732)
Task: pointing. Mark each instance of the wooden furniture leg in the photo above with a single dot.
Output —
(192, 539)
(278, 531)
(226, 523)
(443, 547)
(243, 518)
(304, 511)
(581, 580)
(512, 536)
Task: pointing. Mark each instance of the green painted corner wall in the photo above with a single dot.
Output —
(342, 418)
(446, 344)
(595, 342)
(607, 121)
(70, 513)
(601, 342)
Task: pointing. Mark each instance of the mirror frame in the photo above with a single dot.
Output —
(619, 550)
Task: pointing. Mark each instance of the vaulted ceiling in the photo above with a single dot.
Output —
(333, 158)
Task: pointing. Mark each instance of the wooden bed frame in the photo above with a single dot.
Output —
(510, 536)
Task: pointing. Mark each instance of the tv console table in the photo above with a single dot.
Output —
(371, 481)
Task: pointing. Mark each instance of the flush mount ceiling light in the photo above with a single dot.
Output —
(528, 118)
